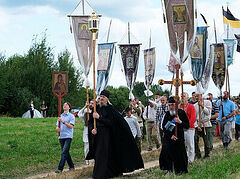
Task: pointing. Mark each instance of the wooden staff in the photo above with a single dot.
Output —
(94, 85)
(87, 102)
(200, 116)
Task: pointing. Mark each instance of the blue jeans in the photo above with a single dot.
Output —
(65, 155)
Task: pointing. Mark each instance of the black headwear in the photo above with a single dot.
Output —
(171, 100)
(105, 93)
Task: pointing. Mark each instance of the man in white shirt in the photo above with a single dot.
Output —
(134, 126)
(149, 116)
(83, 114)
(202, 125)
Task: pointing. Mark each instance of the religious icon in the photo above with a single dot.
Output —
(83, 32)
(179, 14)
(197, 48)
(103, 59)
(60, 82)
(229, 49)
(130, 62)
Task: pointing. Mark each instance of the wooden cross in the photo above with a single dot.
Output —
(177, 82)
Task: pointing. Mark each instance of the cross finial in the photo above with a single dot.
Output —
(227, 4)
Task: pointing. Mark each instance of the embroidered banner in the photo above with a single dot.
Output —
(230, 44)
(105, 54)
(83, 43)
(172, 63)
(149, 64)
(180, 22)
(198, 53)
(219, 65)
(208, 71)
(130, 59)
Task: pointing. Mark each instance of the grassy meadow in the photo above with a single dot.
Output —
(30, 146)
(222, 164)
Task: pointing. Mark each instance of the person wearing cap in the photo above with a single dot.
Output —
(173, 156)
(226, 113)
(111, 143)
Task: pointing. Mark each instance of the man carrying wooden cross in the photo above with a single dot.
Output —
(173, 156)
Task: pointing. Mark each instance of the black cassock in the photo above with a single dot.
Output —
(173, 154)
(113, 147)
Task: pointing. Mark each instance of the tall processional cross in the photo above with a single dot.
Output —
(177, 82)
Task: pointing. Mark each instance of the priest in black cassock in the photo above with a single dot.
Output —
(173, 156)
(111, 145)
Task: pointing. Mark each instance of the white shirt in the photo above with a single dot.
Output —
(81, 115)
(205, 114)
(151, 113)
(134, 125)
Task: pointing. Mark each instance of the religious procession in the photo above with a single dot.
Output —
(179, 129)
(175, 123)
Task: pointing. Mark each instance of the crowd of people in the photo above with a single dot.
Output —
(112, 141)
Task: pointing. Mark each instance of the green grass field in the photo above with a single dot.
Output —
(30, 146)
(222, 164)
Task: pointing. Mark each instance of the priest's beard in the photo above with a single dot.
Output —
(101, 104)
(172, 112)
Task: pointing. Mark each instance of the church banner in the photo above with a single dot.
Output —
(198, 53)
(238, 41)
(180, 23)
(172, 64)
(219, 65)
(83, 43)
(149, 64)
(208, 71)
(230, 44)
(105, 54)
(130, 59)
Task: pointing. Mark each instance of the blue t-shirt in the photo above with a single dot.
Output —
(228, 108)
(66, 132)
(238, 119)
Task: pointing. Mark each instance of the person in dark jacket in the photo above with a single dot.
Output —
(111, 144)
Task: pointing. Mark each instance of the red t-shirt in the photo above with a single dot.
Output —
(191, 113)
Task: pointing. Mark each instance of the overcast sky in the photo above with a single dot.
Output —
(21, 20)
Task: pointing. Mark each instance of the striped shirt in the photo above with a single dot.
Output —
(161, 111)
(214, 111)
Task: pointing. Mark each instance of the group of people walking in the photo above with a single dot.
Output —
(113, 141)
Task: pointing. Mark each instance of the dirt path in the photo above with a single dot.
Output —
(156, 162)
(86, 170)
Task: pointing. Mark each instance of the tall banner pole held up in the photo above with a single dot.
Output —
(93, 24)
(59, 89)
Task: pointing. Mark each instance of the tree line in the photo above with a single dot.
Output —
(29, 77)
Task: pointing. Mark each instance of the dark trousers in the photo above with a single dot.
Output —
(237, 130)
(31, 113)
(197, 136)
(160, 133)
(65, 155)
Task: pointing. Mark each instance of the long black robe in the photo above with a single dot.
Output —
(173, 154)
(113, 147)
